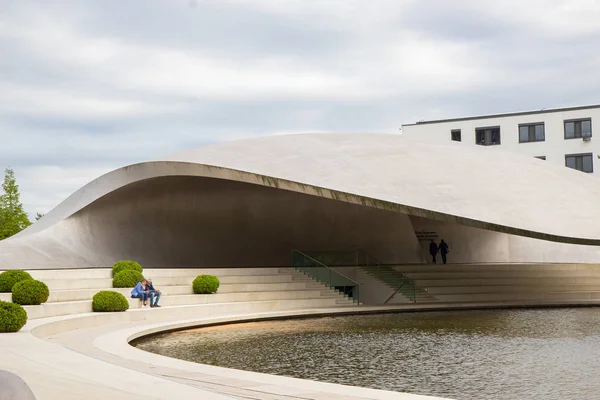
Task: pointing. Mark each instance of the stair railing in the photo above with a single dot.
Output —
(326, 275)
(343, 258)
(410, 290)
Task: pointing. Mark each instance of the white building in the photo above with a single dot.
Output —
(562, 135)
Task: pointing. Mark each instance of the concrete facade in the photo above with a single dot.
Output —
(554, 147)
(251, 202)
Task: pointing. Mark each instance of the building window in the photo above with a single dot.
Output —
(580, 162)
(541, 157)
(532, 133)
(487, 136)
(580, 128)
(455, 135)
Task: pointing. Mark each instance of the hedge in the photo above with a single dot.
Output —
(205, 284)
(108, 301)
(12, 317)
(127, 278)
(30, 293)
(8, 279)
(126, 264)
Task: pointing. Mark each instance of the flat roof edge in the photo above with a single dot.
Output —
(511, 114)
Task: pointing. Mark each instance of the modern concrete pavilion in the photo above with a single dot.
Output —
(250, 202)
(521, 233)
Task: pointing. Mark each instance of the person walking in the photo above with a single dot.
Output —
(433, 250)
(444, 250)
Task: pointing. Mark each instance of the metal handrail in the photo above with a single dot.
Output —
(323, 265)
(355, 251)
(369, 255)
(393, 294)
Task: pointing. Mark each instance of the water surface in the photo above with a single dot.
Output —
(488, 354)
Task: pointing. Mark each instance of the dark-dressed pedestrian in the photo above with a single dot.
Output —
(444, 250)
(433, 250)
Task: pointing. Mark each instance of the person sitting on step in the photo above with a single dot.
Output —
(154, 293)
(141, 292)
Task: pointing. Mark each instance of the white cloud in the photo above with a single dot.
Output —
(86, 87)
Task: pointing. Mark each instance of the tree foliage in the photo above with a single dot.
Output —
(13, 218)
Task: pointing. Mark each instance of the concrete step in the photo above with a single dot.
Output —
(71, 284)
(155, 273)
(180, 300)
(79, 307)
(435, 290)
(87, 294)
(52, 274)
(97, 283)
(56, 309)
(493, 267)
(508, 281)
(106, 273)
(258, 287)
(504, 297)
(502, 274)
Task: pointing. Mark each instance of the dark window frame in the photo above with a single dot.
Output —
(566, 121)
(453, 132)
(480, 128)
(591, 155)
(529, 125)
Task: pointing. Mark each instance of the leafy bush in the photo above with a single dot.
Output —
(126, 264)
(204, 284)
(127, 278)
(108, 301)
(9, 278)
(12, 317)
(30, 292)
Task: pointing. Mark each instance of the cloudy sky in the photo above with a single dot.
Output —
(87, 86)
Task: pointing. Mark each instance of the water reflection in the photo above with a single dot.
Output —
(488, 354)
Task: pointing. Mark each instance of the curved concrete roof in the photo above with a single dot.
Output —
(478, 186)
(474, 186)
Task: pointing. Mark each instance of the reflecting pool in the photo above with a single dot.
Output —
(488, 354)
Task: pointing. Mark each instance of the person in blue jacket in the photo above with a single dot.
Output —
(154, 294)
(140, 292)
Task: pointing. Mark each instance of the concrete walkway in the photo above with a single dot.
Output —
(88, 356)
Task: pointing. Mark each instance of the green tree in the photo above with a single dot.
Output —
(38, 216)
(13, 218)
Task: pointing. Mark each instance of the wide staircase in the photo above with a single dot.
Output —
(321, 265)
(400, 285)
(507, 283)
(71, 291)
(314, 268)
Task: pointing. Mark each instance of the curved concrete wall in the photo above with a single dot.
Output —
(471, 187)
(190, 221)
(12, 387)
(473, 245)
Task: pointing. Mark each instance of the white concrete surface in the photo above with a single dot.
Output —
(71, 291)
(87, 356)
(476, 187)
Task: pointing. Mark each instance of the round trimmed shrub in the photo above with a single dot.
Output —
(8, 279)
(109, 301)
(30, 293)
(127, 278)
(126, 264)
(12, 317)
(205, 284)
